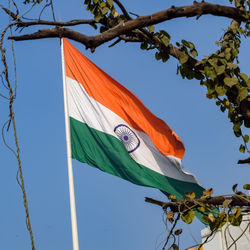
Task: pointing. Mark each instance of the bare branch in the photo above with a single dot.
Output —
(202, 8)
(20, 23)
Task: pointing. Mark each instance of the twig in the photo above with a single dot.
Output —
(115, 42)
(124, 11)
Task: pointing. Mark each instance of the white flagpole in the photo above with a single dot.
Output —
(69, 159)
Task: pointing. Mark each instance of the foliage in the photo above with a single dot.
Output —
(215, 211)
(218, 72)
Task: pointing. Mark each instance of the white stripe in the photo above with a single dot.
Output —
(87, 110)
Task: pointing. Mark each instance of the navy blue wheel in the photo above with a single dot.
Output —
(128, 137)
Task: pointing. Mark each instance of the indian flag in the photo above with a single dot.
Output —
(112, 130)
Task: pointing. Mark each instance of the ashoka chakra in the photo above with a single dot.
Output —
(128, 137)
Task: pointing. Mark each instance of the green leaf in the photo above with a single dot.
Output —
(201, 209)
(246, 138)
(246, 186)
(97, 18)
(188, 216)
(188, 44)
(194, 53)
(235, 221)
(244, 77)
(228, 56)
(164, 57)
(183, 58)
(158, 56)
(230, 81)
(220, 90)
(102, 4)
(165, 41)
(221, 221)
(213, 62)
(209, 71)
(220, 69)
(243, 93)
(105, 10)
(234, 187)
(242, 148)
(144, 45)
(110, 3)
(232, 66)
(164, 33)
(151, 28)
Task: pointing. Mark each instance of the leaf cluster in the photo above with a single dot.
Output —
(104, 12)
(218, 72)
(215, 216)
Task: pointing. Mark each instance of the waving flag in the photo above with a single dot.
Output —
(112, 130)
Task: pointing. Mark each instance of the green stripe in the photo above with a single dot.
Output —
(107, 153)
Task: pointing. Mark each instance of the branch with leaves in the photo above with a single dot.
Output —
(215, 211)
(218, 72)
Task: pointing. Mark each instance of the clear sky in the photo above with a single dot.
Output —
(111, 212)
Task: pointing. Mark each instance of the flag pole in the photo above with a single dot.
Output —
(69, 159)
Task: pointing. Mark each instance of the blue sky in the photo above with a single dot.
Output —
(111, 212)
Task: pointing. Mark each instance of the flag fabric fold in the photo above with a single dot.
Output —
(112, 130)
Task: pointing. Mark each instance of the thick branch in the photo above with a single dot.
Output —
(124, 29)
(197, 9)
(180, 206)
(244, 161)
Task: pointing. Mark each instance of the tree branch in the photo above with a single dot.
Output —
(138, 25)
(20, 23)
(202, 8)
(244, 161)
(179, 206)
(124, 11)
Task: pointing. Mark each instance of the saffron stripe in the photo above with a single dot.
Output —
(87, 110)
(121, 101)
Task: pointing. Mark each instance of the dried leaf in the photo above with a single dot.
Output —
(170, 217)
(172, 197)
(175, 247)
(226, 203)
(178, 232)
(190, 195)
(211, 217)
(208, 192)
